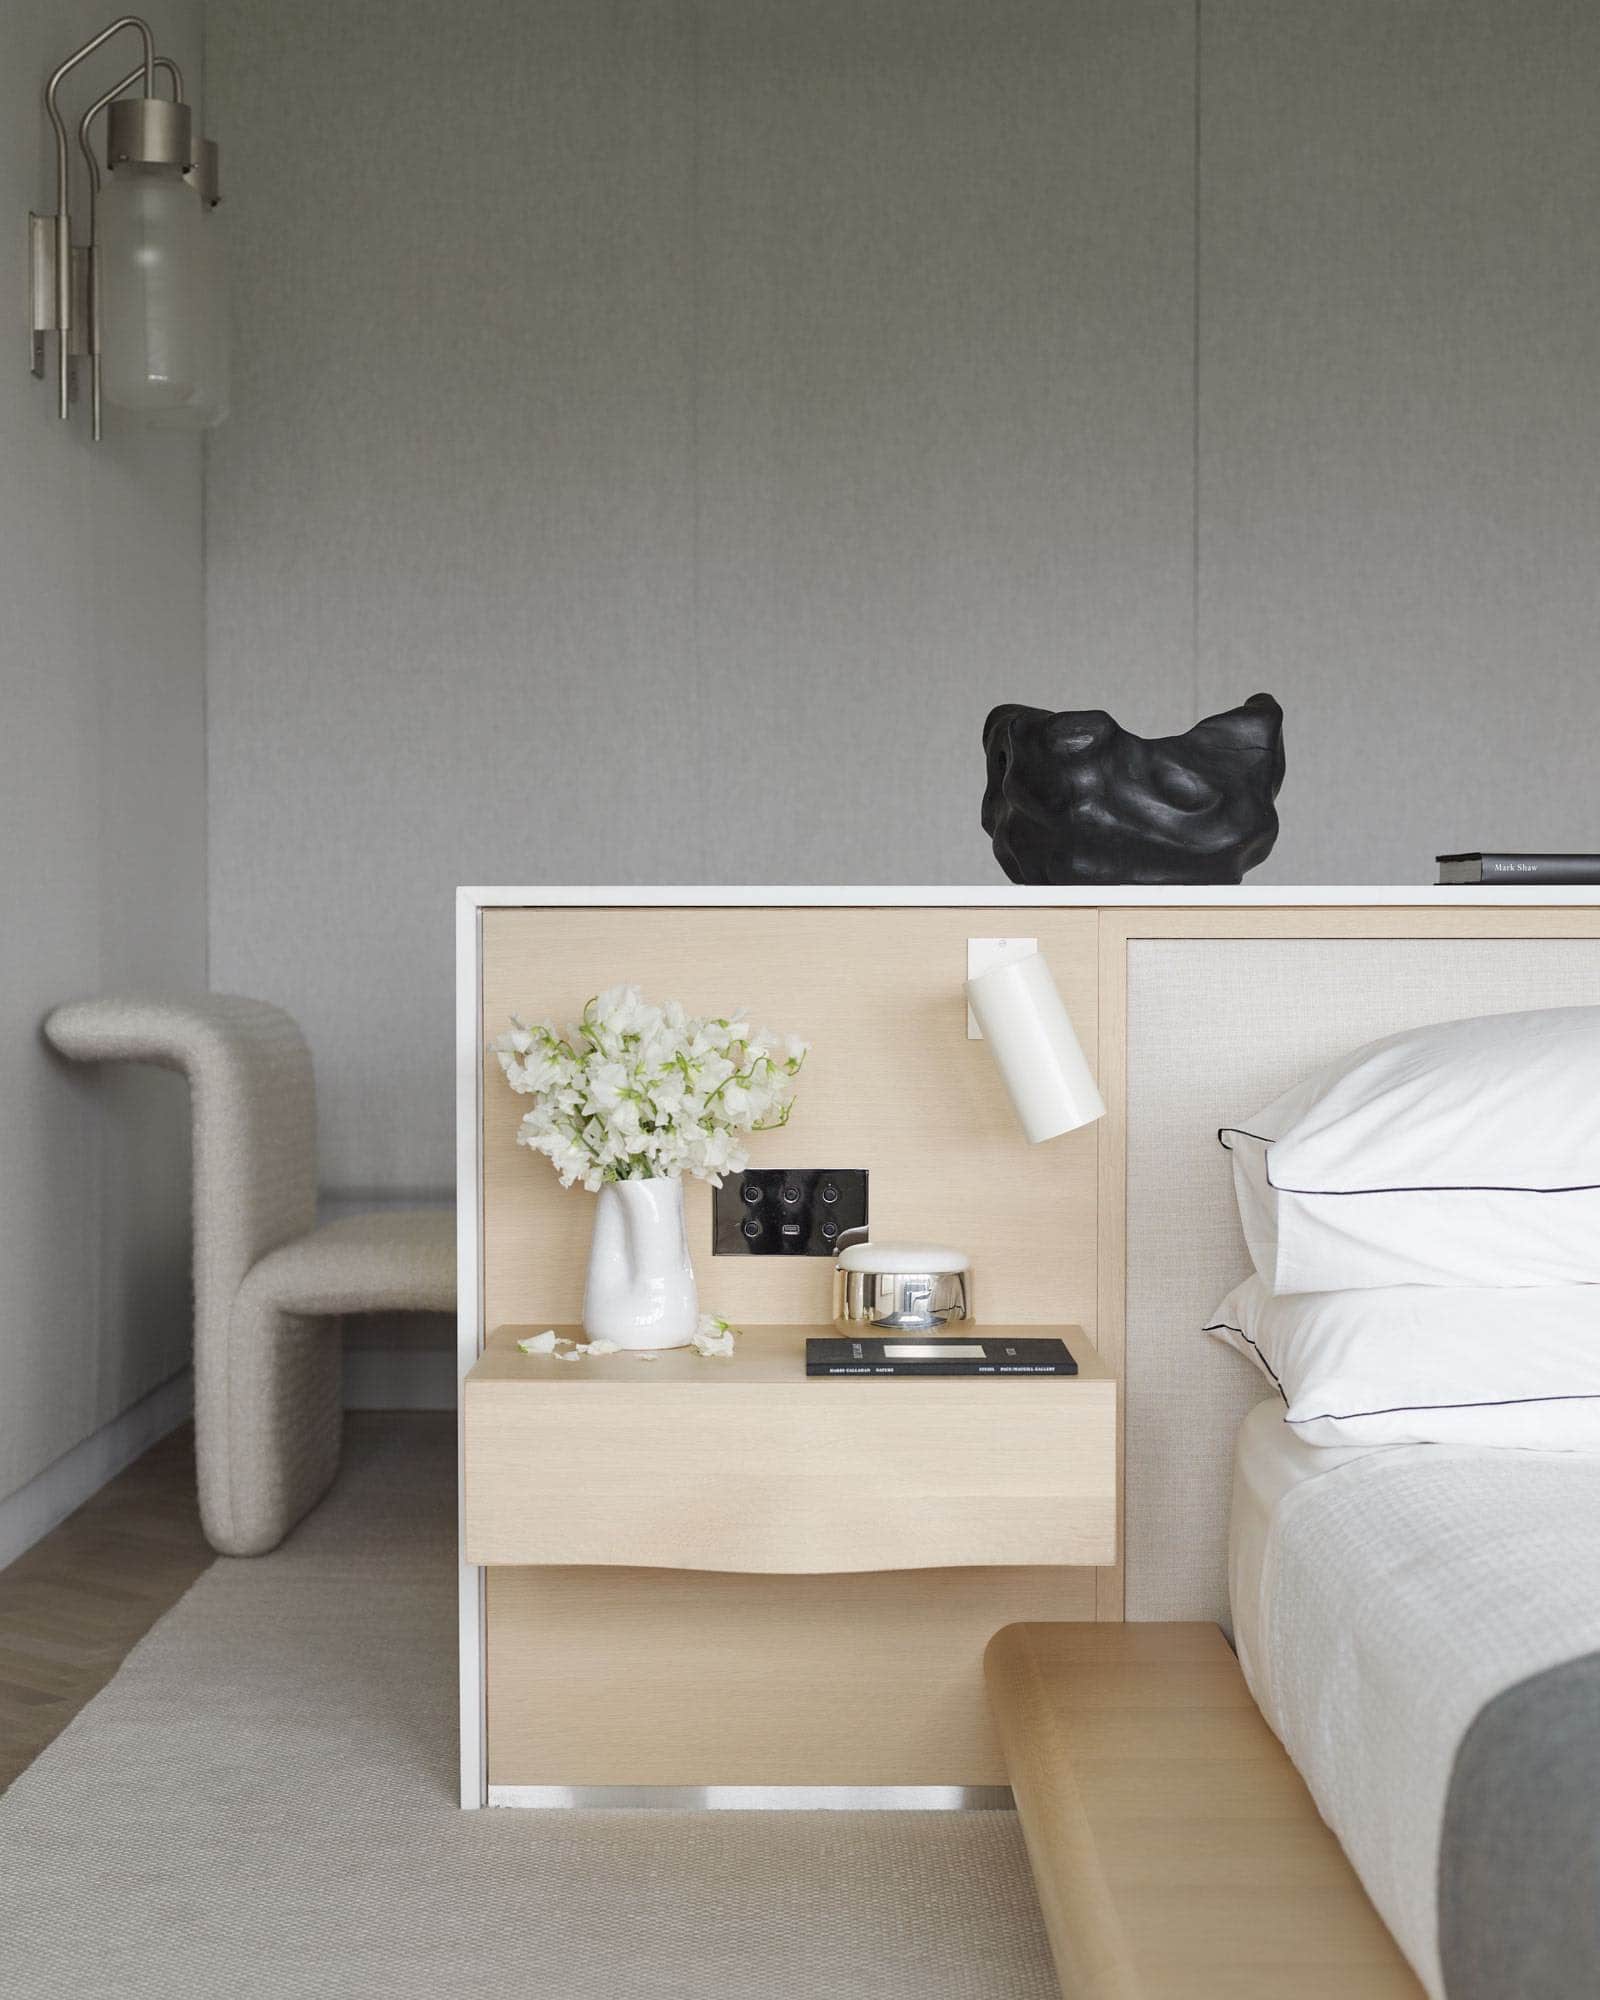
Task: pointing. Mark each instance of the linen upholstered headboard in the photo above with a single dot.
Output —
(1216, 1027)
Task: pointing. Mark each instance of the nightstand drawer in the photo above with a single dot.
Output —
(748, 1465)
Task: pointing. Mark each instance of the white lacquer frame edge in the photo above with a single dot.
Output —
(469, 1326)
(1112, 897)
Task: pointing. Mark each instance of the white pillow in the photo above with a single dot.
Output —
(1466, 1153)
(1425, 1364)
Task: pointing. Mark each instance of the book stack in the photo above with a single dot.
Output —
(1527, 871)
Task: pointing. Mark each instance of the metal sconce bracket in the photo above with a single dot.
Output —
(206, 173)
(68, 313)
(46, 311)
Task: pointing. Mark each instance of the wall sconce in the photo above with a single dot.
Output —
(142, 298)
(1018, 1011)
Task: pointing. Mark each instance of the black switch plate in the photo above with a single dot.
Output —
(787, 1211)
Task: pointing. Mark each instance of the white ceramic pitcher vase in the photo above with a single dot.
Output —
(640, 1291)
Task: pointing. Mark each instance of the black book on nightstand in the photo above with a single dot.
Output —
(1531, 871)
(923, 1354)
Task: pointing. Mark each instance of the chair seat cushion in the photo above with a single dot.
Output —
(396, 1260)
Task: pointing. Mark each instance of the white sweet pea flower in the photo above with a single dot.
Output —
(668, 1094)
(714, 1154)
(542, 1071)
(607, 1082)
(623, 1010)
(624, 1122)
(714, 1072)
(713, 1338)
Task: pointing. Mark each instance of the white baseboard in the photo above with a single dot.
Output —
(399, 1378)
(29, 1514)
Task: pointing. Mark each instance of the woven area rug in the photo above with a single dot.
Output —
(261, 1806)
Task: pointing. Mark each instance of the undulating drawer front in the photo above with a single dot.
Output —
(747, 1465)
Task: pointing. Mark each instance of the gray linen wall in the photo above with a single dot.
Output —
(662, 430)
(1399, 418)
(102, 825)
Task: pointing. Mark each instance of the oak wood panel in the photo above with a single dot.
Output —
(671, 1677)
(892, 1084)
(1175, 1848)
(748, 1464)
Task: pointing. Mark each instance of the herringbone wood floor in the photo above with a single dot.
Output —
(76, 1604)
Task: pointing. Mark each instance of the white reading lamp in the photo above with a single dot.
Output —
(1030, 1035)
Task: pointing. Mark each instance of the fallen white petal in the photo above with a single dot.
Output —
(539, 1343)
(599, 1347)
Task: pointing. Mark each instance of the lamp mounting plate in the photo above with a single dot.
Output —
(46, 318)
(983, 954)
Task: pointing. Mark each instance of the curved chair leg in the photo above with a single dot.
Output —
(255, 1191)
(273, 1414)
(272, 1394)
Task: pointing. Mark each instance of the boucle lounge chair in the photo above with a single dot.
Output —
(269, 1285)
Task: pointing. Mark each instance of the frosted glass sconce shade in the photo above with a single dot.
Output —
(153, 289)
(1030, 1035)
(207, 404)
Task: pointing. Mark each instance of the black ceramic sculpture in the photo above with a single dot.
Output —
(1075, 798)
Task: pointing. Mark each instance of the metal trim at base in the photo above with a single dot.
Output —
(755, 1798)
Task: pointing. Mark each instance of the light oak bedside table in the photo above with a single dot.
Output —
(730, 1575)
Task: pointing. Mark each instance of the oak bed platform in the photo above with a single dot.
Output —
(1177, 1852)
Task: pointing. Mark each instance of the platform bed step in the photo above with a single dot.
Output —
(1177, 1852)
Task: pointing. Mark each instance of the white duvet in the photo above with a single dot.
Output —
(1380, 1598)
